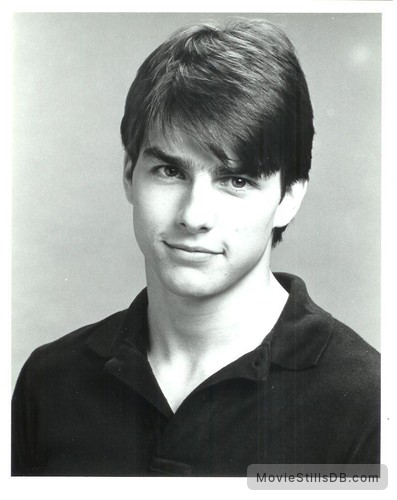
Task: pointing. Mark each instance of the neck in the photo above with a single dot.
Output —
(225, 326)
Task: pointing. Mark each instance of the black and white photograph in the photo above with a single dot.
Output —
(196, 242)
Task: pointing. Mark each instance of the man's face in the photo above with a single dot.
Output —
(203, 228)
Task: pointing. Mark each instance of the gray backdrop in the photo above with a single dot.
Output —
(74, 256)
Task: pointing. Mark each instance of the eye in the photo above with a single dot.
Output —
(170, 171)
(238, 185)
(238, 182)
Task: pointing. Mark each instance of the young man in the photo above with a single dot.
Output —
(218, 364)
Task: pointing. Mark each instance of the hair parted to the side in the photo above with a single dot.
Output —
(238, 88)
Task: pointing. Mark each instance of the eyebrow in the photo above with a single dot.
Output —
(156, 153)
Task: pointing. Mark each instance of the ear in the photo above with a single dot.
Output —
(290, 204)
(127, 177)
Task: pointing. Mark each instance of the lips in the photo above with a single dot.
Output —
(191, 249)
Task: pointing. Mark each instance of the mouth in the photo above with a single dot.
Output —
(191, 249)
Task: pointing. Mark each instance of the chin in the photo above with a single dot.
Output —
(185, 286)
(193, 291)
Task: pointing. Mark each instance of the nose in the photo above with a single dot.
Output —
(197, 210)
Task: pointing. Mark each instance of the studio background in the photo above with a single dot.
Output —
(75, 260)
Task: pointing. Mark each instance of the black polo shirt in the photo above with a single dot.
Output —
(89, 404)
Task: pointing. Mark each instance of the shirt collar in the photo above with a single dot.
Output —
(296, 342)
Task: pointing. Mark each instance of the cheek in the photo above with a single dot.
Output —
(143, 217)
(253, 222)
(150, 217)
(139, 227)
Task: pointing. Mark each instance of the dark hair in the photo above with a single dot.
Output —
(238, 86)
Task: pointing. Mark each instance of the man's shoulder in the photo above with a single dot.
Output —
(349, 372)
(348, 348)
(74, 346)
(308, 337)
(314, 335)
